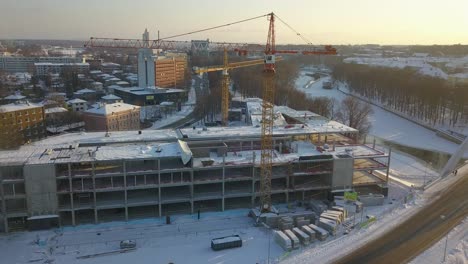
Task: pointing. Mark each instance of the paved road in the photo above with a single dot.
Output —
(420, 231)
(190, 118)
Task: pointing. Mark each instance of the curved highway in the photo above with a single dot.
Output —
(421, 230)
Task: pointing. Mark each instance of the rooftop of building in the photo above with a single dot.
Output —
(108, 109)
(111, 97)
(16, 96)
(61, 64)
(76, 101)
(149, 90)
(35, 155)
(143, 144)
(18, 106)
(54, 110)
(84, 91)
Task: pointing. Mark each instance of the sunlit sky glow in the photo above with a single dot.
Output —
(331, 21)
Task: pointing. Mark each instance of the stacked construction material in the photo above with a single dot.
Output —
(301, 221)
(320, 233)
(293, 237)
(285, 222)
(310, 232)
(283, 240)
(329, 225)
(303, 237)
(317, 206)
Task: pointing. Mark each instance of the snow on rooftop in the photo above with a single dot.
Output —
(463, 75)
(139, 151)
(99, 138)
(83, 91)
(111, 97)
(18, 106)
(313, 127)
(107, 109)
(76, 101)
(55, 110)
(16, 96)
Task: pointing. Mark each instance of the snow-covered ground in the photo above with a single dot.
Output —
(185, 240)
(386, 219)
(409, 169)
(457, 248)
(186, 110)
(385, 125)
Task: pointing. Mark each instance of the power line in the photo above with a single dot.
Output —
(211, 28)
(295, 31)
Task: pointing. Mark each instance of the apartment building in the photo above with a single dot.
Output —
(112, 117)
(21, 122)
(45, 68)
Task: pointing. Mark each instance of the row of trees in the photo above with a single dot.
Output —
(429, 99)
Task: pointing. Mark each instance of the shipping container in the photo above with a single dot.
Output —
(226, 242)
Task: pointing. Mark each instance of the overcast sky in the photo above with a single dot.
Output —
(321, 21)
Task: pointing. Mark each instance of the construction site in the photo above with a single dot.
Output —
(97, 177)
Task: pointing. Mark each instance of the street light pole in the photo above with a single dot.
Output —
(446, 240)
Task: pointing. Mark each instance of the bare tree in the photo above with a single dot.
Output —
(355, 113)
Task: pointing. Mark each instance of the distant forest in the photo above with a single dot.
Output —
(429, 99)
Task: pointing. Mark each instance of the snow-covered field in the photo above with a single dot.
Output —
(386, 125)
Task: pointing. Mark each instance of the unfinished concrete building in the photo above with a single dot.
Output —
(82, 178)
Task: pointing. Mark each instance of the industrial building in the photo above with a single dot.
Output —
(150, 95)
(96, 177)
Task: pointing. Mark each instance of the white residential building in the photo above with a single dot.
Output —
(78, 105)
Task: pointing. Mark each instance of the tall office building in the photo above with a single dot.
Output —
(146, 71)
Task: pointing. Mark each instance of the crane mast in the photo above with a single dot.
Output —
(267, 148)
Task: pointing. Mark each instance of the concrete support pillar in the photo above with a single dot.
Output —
(125, 189)
(388, 164)
(191, 191)
(2, 195)
(93, 175)
(159, 188)
(72, 204)
(252, 202)
(224, 175)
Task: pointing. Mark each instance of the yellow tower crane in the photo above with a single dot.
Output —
(225, 81)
